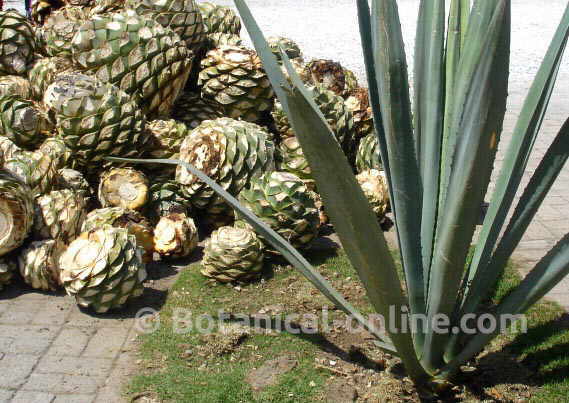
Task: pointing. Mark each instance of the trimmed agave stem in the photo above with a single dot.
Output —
(175, 235)
(123, 187)
(233, 255)
(103, 268)
(134, 222)
(15, 86)
(59, 215)
(374, 186)
(39, 265)
(16, 212)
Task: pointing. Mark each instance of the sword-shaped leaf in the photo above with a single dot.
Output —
(457, 25)
(539, 185)
(548, 272)
(428, 117)
(393, 87)
(477, 130)
(345, 202)
(517, 156)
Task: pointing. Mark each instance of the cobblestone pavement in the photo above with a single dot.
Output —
(50, 351)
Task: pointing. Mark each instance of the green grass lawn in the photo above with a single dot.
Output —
(174, 367)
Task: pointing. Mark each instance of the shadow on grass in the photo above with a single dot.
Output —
(354, 356)
(540, 350)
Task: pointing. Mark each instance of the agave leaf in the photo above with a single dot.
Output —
(479, 22)
(548, 272)
(485, 102)
(345, 202)
(365, 26)
(464, 18)
(276, 241)
(352, 217)
(455, 36)
(428, 117)
(539, 185)
(391, 77)
(515, 162)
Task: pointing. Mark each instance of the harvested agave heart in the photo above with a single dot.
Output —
(181, 16)
(233, 255)
(123, 187)
(15, 86)
(95, 119)
(233, 76)
(18, 43)
(16, 212)
(175, 235)
(137, 54)
(39, 265)
(133, 221)
(283, 202)
(103, 268)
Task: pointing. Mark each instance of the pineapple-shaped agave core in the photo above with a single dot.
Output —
(103, 268)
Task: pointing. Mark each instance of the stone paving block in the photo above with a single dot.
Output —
(33, 397)
(63, 384)
(551, 213)
(109, 394)
(32, 339)
(76, 399)
(5, 343)
(71, 341)
(121, 371)
(557, 224)
(4, 306)
(81, 384)
(15, 368)
(86, 318)
(106, 343)
(83, 319)
(74, 366)
(20, 315)
(53, 312)
(538, 231)
(543, 245)
(5, 395)
(44, 382)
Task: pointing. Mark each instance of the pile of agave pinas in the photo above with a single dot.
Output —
(155, 79)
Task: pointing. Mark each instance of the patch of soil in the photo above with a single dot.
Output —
(225, 341)
(268, 374)
(340, 391)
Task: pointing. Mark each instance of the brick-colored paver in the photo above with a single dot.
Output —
(51, 351)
